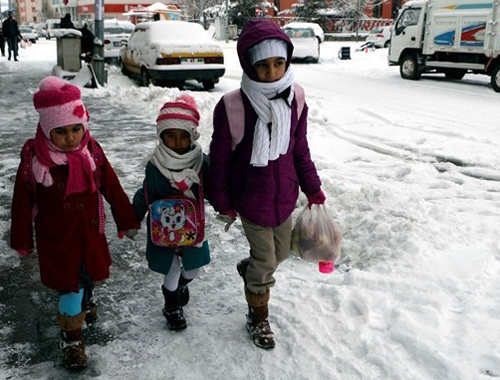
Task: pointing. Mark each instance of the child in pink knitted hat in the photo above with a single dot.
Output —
(171, 195)
(60, 184)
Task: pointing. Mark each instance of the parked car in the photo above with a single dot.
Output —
(380, 37)
(28, 34)
(318, 30)
(32, 27)
(171, 52)
(116, 35)
(40, 28)
(50, 25)
(305, 39)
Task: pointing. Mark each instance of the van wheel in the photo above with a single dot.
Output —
(208, 84)
(145, 78)
(455, 73)
(495, 77)
(409, 67)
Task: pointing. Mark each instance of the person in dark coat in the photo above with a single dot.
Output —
(66, 22)
(259, 178)
(177, 168)
(11, 33)
(87, 43)
(2, 43)
(60, 184)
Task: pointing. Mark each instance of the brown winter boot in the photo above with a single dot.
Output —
(257, 324)
(72, 340)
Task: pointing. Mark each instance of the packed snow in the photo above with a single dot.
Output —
(411, 172)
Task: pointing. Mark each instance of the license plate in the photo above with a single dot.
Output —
(117, 43)
(188, 61)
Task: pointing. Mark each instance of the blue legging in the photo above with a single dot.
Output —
(71, 303)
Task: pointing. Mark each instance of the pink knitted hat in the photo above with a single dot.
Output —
(59, 104)
(182, 113)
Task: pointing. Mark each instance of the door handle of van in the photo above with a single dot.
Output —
(413, 38)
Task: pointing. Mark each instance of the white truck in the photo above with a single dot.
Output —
(453, 37)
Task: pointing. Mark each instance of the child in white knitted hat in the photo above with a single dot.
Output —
(172, 195)
(59, 188)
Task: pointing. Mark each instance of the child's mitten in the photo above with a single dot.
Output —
(317, 198)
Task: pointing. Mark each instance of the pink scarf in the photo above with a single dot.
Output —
(80, 163)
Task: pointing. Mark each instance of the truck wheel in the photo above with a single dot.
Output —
(409, 67)
(495, 77)
(123, 68)
(455, 73)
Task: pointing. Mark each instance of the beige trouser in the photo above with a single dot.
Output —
(269, 247)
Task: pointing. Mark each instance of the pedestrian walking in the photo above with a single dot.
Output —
(259, 156)
(60, 185)
(2, 43)
(176, 174)
(11, 33)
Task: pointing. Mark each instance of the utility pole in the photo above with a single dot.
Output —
(98, 60)
(202, 16)
(227, 21)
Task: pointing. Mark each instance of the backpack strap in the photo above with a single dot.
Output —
(236, 117)
(300, 97)
(233, 101)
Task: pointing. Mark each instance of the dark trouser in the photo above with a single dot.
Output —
(2, 46)
(12, 42)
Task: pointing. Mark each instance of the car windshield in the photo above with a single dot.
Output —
(299, 32)
(118, 30)
(25, 30)
(181, 32)
(376, 31)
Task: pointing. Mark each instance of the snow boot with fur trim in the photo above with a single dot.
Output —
(257, 324)
(173, 311)
(72, 340)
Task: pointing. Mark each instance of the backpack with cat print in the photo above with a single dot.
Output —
(177, 221)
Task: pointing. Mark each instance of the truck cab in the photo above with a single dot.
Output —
(406, 39)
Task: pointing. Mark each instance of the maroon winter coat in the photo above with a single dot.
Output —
(264, 195)
(67, 229)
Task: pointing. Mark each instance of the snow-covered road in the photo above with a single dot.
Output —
(412, 174)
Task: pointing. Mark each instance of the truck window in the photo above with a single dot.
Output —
(409, 17)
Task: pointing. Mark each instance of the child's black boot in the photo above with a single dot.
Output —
(72, 340)
(183, 291)
(173, 311)
(88, 305)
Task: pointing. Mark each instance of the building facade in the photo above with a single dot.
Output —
(29, 11)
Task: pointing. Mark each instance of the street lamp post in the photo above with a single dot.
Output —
(98, 60)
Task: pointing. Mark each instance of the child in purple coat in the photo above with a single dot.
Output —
(259, 178)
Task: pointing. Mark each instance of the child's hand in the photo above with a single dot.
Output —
(228, 217)
(129, 233)
(24, 252)
(317, 198)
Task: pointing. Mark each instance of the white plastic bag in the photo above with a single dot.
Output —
(315, 236)
(22, 44)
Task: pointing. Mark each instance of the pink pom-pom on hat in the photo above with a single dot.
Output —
(59, 104)
(182, 113)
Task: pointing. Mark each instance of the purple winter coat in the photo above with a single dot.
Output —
(264, 195)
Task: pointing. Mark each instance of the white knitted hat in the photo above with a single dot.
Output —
(271, 47)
